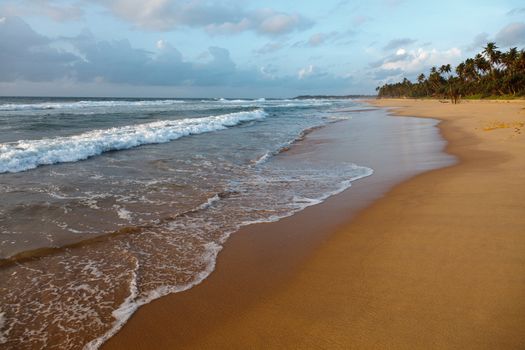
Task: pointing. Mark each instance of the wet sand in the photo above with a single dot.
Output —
(438, 262)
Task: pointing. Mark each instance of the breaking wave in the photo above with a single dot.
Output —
(28, 154)
(84, 104)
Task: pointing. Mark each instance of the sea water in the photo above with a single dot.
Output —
(107, 204)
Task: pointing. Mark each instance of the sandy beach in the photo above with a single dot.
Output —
(438, 262)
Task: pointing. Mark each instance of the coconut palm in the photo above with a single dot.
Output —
(492, 54)
(491, 72)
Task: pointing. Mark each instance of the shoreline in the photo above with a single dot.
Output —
(394, 276)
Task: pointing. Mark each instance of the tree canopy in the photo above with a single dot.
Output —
(490, 73)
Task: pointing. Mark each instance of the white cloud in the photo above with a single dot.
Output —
(401, 52)
(215, 17)
(161, 44)
(306, 71)
(416, 61)
(278, 23)
(57, 10)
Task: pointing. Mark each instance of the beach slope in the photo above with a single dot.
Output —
(437, 263)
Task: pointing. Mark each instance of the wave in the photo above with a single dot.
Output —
(285, 146)
(84, 104)
(209, 256)
(29, 154)
(238, 101)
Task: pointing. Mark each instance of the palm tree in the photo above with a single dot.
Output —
(445, 69)
(434, 79)
(494, 58)
(509, 58)
(490, 72)
(460, 71)
(492, 54)
(520, 61)
(482, 65)
(471, 73)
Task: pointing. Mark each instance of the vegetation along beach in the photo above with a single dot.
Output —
(190, 174)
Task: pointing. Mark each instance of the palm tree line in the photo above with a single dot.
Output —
(489, 73)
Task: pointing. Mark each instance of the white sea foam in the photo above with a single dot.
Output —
(133, 301)
(237, 101)
(84, 104)
(209, 202)
(123, 213)
(29, 154)
(209, 257)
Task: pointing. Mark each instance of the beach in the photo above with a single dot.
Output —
(160, 194)
(436, 261)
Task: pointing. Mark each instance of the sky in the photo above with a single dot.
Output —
(243, 48)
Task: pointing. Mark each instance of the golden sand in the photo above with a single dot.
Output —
(437, 263)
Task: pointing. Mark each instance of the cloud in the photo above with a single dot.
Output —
(360, 20)
(306, 72)
(413, 62)
(516, 11)
(512, 34)
(215, 17)
(382, 74)
(270, 47)
(28, 57)
(479, 41)
(57, 10)
(321, 38)
(272, 22)
(397, 43)
(393, 3)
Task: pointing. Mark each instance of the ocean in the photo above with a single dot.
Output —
(109, 203)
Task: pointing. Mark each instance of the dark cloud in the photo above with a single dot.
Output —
(479, 41)
(27, 56)
(398, 43)
(24, 54)
(512, 34)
